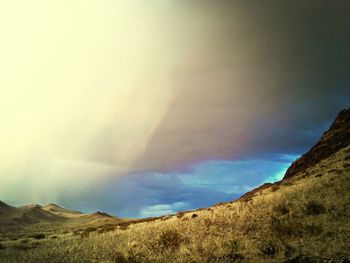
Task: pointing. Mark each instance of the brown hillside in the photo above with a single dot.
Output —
(336, 138)
(60, 211)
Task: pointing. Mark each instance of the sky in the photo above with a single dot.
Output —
(144, 108)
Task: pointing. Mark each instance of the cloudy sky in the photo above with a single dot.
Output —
(141, 108)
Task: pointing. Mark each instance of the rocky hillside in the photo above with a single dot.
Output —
(336, 138)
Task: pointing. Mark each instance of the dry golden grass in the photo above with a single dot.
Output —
(303, 219)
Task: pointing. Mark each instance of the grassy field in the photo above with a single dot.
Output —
(303, 219)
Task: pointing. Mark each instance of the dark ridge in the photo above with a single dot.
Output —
(336, 138)
(2, 204)
(99, 213)
(5, 208)
(52, 204)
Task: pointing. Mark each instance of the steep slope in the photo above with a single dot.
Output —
(336, 138)
(5, 208)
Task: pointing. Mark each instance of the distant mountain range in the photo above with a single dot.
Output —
(50, 213)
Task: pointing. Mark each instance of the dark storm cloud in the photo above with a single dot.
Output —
(270, 78)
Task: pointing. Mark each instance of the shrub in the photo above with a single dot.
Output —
(194, 216)
(268, 249)
(208, 222)
(305, 175)
(106, 228)
(180, 214)
(233, 255)
(120, 258)
(288, 250)
(248, 198)
(314, 208)
(25, 244)
(336, 171)
(248, 227)
(287, 183)
(38, 236)
(76, 232)
(285, 227)
(313, 229)
(131, 256)
(84, 234)
(274, 188)
(300, 259)
(90, 229)
(281, 209)
(124, 226)
(169, 239)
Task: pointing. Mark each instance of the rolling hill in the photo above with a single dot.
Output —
(49, 214)
(59, 211)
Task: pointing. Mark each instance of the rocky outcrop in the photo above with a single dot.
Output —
(336, 138)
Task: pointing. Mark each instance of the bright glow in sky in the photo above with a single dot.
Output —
(83, 87)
